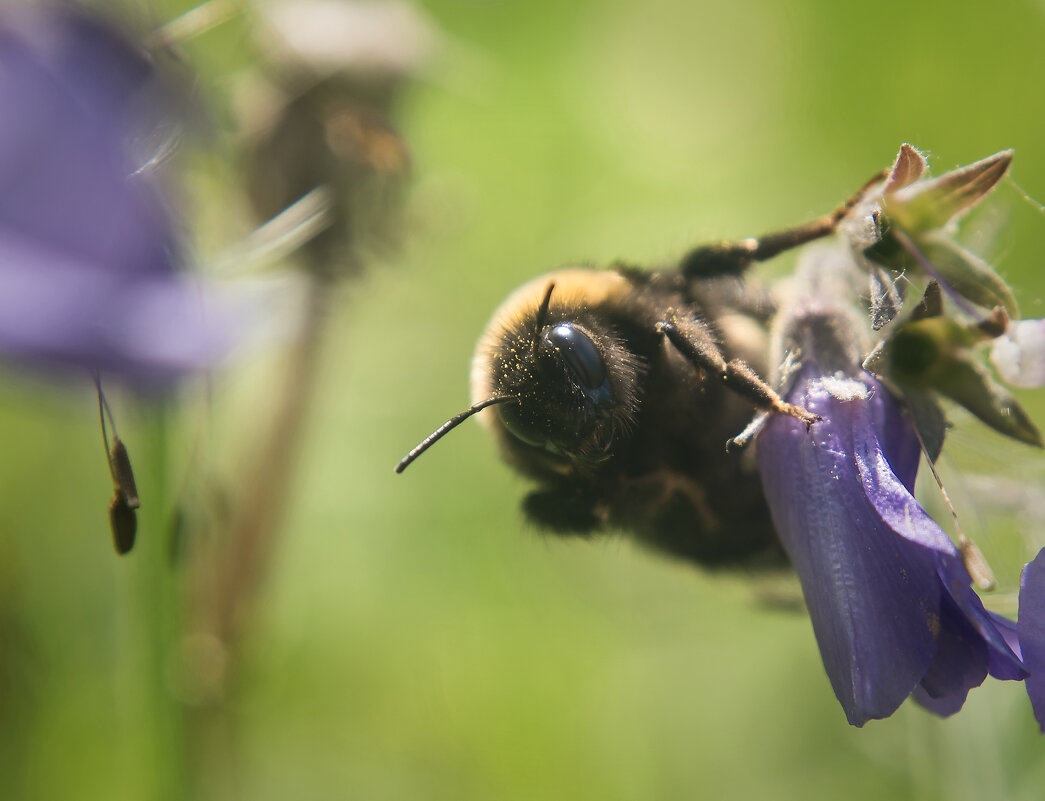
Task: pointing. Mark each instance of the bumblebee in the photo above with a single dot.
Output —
(617, 391)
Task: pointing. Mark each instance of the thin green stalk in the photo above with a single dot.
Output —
(152, 630)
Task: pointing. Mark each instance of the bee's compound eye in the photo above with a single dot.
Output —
(579, 353)
(523, 426)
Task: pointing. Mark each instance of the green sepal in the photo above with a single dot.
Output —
(928, 419)
(909, 167)
(968, 274)
(888, 252)
(966, 383)
(921, 348)
(886, 296)
(928, 205)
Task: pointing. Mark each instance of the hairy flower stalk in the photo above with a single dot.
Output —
(890, 596)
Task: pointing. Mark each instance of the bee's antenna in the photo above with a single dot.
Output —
(542, 310)
(453, 422)
(542, 315)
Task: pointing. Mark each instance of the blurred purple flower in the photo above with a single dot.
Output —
(88, 245)
(890, 599)
(1031, 631)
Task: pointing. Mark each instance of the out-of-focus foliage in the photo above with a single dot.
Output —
(413, 640)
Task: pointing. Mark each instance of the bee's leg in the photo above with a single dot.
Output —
(732, 258)
(563, 511)
(693, 341)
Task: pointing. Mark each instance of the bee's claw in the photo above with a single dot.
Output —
(801, 414)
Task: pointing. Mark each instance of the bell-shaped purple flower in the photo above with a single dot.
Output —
(88, 244)
(890, 599)
(1030, 631)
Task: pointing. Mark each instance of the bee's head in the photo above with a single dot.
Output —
(562, 381)
(557, 371)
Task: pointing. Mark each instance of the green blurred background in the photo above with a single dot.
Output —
(414, 639)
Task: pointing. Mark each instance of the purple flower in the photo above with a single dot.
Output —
(88, 245)
(890, 599)
(1031, 631)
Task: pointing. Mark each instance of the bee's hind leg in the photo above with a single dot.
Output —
(733, 258)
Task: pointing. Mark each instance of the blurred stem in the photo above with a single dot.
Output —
(245, 561)
(155, 622)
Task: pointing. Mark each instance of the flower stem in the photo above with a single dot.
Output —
(245, 561)
(151, 603)
(235, 571)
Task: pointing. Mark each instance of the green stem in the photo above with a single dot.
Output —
(153, 612)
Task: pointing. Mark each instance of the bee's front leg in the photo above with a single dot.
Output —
(563, 510)
(693, 341)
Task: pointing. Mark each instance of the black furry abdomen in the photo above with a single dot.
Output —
(676, 486)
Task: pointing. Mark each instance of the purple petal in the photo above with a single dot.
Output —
(88, 246)
(874, 598)
(56, 313)
(944, 707)
(892, 500)
(897, 443)
(1031, 628)
(890, 496)
(1008, 630)
(1005, 662)
(68, 86)
(959, 665)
